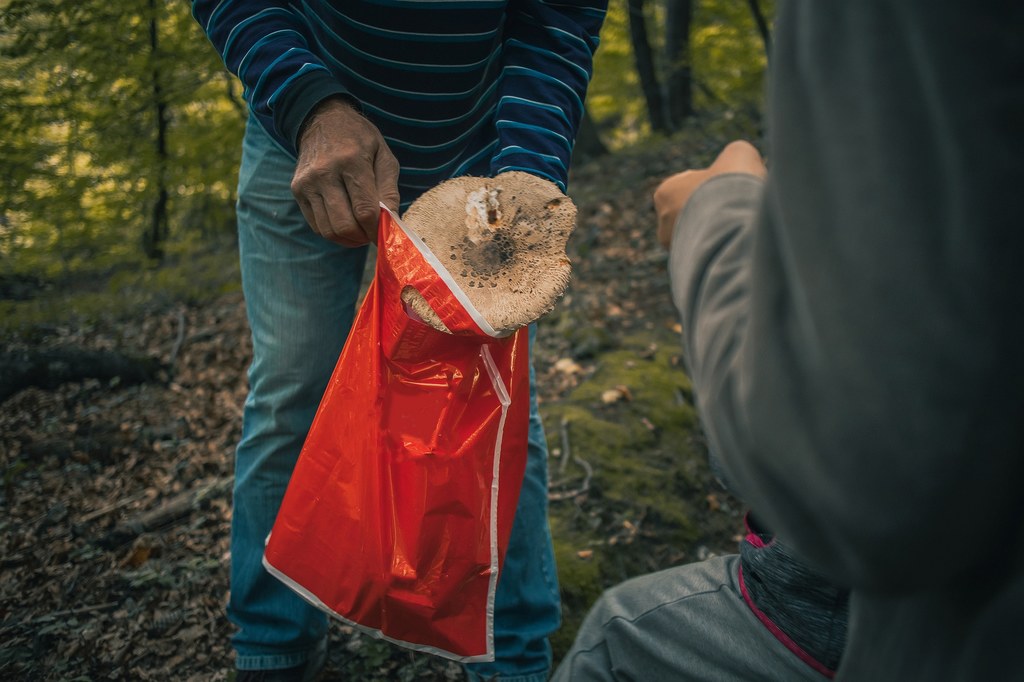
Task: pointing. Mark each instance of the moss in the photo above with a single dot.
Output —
(580, 579)
(637, 439)
(648, 471)
(192, 278)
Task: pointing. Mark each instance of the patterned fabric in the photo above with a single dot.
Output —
(456, 86)
(798, 605)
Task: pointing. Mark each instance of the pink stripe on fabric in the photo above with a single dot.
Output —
(780, 635)
(753, 537)
(755, 540)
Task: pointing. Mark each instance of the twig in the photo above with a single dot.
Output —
(566, 454)
(563, 428)
(60, 614)
(584, 487)
(103, 511)
(171, 511)
(74, 612)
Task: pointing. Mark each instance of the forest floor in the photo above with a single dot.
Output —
(116, 498)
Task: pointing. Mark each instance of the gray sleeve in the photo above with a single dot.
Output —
(854, 330)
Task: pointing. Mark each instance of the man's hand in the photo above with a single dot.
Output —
(343, 171)
(672, 194)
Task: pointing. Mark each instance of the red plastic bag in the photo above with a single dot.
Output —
(401, 504)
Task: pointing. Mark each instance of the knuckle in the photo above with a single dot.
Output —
(365, 211)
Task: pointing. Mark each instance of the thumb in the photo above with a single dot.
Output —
(739, 157)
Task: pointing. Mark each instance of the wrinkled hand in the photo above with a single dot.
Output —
(344, 171)
(672, 194)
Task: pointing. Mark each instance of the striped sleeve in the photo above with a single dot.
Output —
(549, 51)
(264, 44)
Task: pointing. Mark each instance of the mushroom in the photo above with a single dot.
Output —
(502, 240)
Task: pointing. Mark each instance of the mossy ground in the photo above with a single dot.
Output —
(191, 275)
(633, 423)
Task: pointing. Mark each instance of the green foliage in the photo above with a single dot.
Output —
(192, 273)
(727, 58)
(728, 55)
(79, 93)
(81, 88)
(614, 98)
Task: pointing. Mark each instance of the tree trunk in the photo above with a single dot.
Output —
(237, 102)
(172, 510)
(679, 81)
(154, 239)
(588, 142)
(762, 26)
(645, 67)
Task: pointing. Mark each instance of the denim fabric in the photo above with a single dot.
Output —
(300, 293)
(527, 607)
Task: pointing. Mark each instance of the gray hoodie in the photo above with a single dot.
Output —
(854, 326)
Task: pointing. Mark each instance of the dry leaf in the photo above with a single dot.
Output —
(614, 395)
(138, 556)
(568, 366)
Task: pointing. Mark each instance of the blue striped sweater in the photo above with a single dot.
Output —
(455, 86)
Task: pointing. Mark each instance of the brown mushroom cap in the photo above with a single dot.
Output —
(503, 241)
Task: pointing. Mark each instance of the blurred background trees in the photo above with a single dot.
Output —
(121, 129)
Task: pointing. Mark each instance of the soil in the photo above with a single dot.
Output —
(116, 499)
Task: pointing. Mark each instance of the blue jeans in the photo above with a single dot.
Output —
(300, 294)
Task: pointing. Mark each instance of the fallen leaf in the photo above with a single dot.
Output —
(138, 556)
(568, 366)
(614, 395)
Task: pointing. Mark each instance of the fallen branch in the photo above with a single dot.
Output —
(103, 511)
(171, 511)
(73, 612)
(65, 613)
(52, 367)
(584, 487)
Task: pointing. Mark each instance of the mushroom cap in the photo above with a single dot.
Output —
(502, 239)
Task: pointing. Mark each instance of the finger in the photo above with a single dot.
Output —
(307, 211)
(362, 195)
(672, 193)
(739, 156)
(344, 228)
(385, 173)
(385, 176)
(671, 197)
(321, 224)
(666, 227)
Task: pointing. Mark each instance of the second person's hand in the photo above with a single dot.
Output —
(674, 192)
